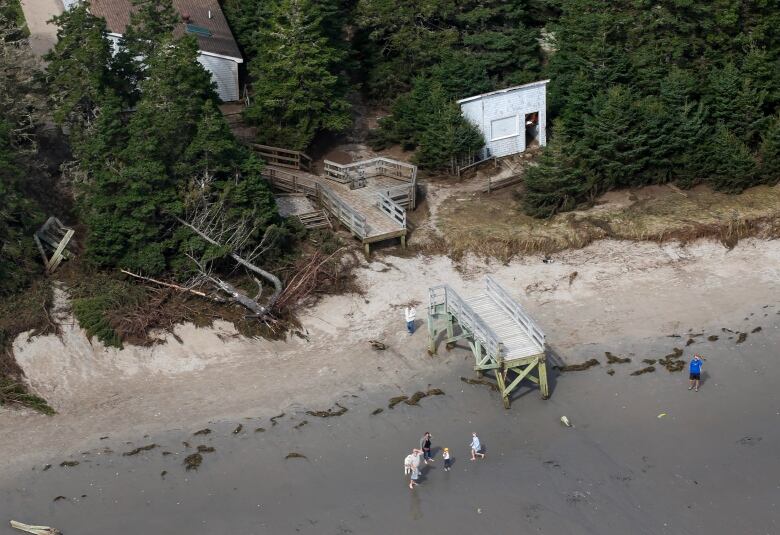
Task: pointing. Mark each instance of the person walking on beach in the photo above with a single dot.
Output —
(695, 375)
(410, 314)
(425, 446)
(447, 462)
(415, 467)
(476, 446)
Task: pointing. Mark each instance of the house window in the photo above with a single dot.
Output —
(503, 128)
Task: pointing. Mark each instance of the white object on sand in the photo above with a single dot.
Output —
(35, 530)
(565, 421)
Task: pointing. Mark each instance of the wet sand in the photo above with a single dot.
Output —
(709, 466)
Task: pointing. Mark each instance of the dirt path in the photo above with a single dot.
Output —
(37, 13)
(620, 289)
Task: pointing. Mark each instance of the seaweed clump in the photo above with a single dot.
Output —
(648, 369)
(206, 431)
(328, 413)
(193, 461)
(484, 382)
(614, 359)
(295, 455)
(392, 402)
(741, 337)
(579, 367)
(136, 451)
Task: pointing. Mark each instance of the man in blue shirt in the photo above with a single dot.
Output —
(695, 375)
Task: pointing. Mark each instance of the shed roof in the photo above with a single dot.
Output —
(507, 90)
(218, 39)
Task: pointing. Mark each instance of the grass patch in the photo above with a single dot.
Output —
(494, 225)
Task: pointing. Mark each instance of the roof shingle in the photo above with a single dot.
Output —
(221, 41)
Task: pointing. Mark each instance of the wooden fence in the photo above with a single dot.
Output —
(292, 159)
(351, 218)
(289, 182)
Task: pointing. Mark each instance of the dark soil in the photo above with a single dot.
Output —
(136, 451)
(649, 369)
(579, 367)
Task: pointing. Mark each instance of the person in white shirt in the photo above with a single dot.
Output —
(409, 314)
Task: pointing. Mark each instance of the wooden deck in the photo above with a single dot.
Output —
(374, 212)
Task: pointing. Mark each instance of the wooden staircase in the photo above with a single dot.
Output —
(315, 220)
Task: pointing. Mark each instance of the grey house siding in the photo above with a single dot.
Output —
(500, 116)
(224, 72)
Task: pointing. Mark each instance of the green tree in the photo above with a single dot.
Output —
(151, 25)
(732, 167)
(769, 153)
(297, 84)
(557, 183)
(734, 102)
(78, 67)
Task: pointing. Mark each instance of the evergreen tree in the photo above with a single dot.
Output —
(297, 83)
(732, 167)
(734, 102)
(445, 134)
(613, 145)
(769, 153)
(78, 67)
(557, 183)
(151, 25)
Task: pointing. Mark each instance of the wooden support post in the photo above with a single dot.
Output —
(543, 378)
(501, 380)
(431, 335)
(367, 247)
(403, 241)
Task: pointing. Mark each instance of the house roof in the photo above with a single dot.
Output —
(507, 90)
(218, 39)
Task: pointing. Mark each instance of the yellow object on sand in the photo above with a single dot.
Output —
(662, 415)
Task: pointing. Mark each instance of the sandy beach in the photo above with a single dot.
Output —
(645, 454)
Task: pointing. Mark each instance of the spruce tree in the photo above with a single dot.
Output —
(732, 167)
(78, 67)
(769, 153)
(557, 183)
(151, 24)
(734, 102)
(296, 80)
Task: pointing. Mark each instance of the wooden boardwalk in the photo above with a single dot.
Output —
(501, 335)
(370, 198)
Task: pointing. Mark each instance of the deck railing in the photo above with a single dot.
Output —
(392, 209)
(468, 319)
(290, 182)
(351, 218)
(380, 166)
(518, 313)
(292, 159)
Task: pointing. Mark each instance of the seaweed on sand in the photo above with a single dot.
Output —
(579, 367)
(193, 461)
(480, 381)
(649, 369)
(238, 429)
(741, 337)
(713, 338)
(206, 431)
(614, 359)
(298, 426)
(69, 464)
(274, 418)
(205, 449)
(610, 372)
(377, 411)
(136, 451)
(260, 430)
(295, 455)
(756, 330)
(328, 413)
(392, 402)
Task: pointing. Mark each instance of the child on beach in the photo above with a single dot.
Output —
(695, 375)
(476, 446)
(447, 462)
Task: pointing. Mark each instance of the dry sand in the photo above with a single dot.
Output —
(705, 466)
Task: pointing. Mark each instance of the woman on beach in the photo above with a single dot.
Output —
(476, 446)
(415, 468)
(425, 446)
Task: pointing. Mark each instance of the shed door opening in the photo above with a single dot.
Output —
(532, 129)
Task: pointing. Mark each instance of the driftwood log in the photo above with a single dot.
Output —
(36, 530)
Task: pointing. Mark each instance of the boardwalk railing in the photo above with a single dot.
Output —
(374, 167)
(393, 210)
(502, 297)
(290, 182)
(292, 159)
(468, 319)
(351, 218)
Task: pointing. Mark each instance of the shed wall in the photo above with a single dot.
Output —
(493, 112)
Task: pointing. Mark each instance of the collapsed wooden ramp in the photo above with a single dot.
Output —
(501, 335)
